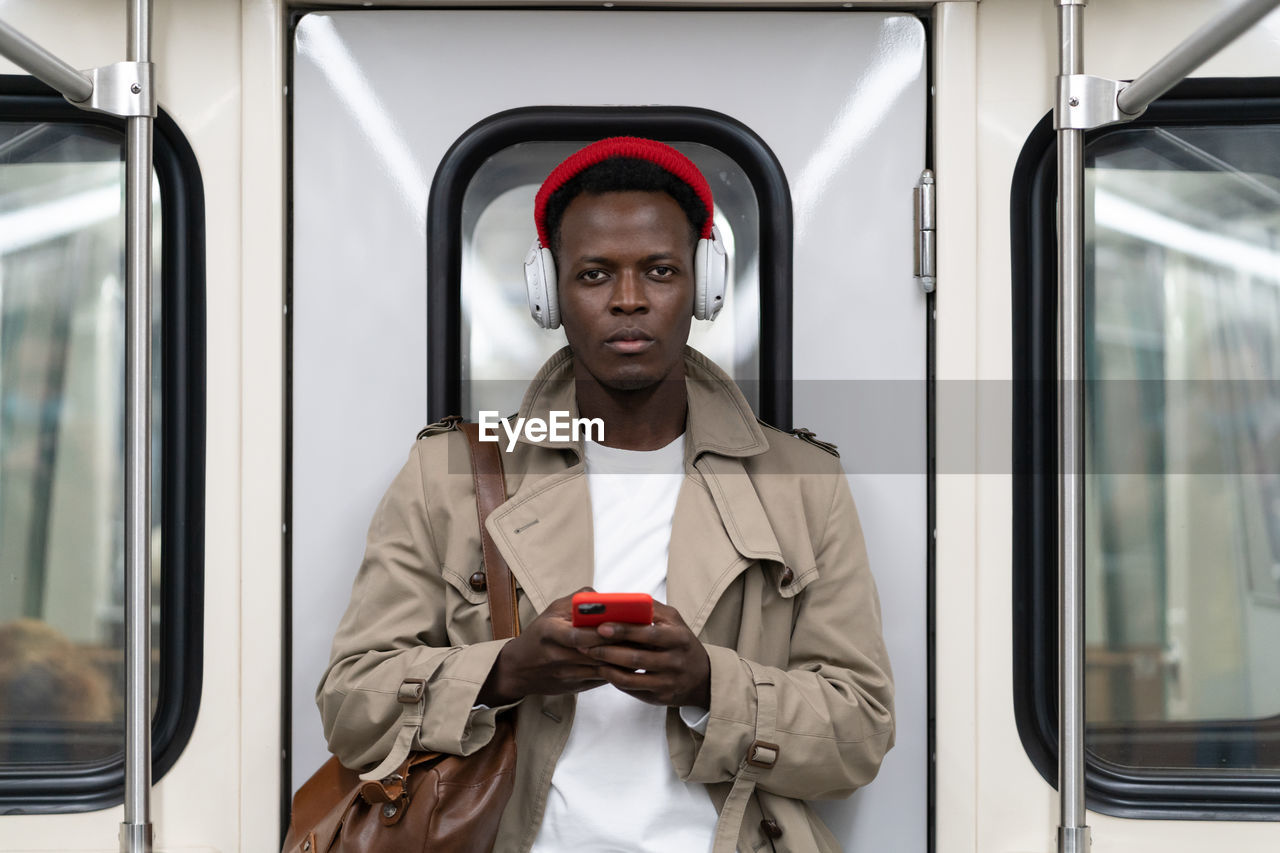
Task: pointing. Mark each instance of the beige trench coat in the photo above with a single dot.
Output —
(767, 566)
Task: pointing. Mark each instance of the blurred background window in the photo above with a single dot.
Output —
(1182, 522)
(62, 263)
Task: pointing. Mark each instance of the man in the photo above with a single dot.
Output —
(762, 681)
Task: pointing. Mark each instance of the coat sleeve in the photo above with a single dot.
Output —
(835, 697)
(395, 628)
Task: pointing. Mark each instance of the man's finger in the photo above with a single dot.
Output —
(581, 638)
(630, 682)
(625, 632)
(588, 669)
(590, 684)
(630, 657)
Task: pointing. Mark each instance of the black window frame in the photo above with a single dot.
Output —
(1156, 793)
(556, 124)
(48, 788)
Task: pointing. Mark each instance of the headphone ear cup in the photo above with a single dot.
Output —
(711, 276)
(540, 284)
(553, 290)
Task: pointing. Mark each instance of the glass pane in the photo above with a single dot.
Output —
(62, 441)
(501, 345)
(1183, 447)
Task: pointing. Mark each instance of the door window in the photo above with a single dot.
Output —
(1182, 455)
(62, 309)
(484, 347)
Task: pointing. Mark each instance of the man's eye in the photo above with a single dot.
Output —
(593, 275)
(663, 271)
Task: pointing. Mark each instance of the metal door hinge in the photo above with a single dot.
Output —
(925, 260)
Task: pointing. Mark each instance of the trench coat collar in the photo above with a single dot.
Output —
(544, 530)
(719, 419)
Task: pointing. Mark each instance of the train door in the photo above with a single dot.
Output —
(385, 100)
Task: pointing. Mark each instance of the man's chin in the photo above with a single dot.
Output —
(631, 382)
(629, 374)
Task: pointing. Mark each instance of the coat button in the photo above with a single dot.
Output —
(770, 827)
(787, 576)
(478, 581)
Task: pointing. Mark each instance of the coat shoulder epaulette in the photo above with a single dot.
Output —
(806, 436)
(449, 423)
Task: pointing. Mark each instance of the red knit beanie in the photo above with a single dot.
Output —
(622, 146)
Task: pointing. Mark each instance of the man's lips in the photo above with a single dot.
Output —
(629, 341)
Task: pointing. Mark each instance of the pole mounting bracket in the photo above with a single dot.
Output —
(1086, 102)
(124, 89)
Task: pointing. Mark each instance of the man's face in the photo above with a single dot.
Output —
(625, 270)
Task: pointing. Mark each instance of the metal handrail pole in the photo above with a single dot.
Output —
(1073, 834)
(43, 65)
(1191, 54)
(135, 831)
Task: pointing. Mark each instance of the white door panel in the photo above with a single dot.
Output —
(839, 97)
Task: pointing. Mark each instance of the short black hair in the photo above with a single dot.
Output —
(624, 174)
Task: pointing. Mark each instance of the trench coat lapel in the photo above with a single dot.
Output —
(544, 529)
(545, 533)
(718, 528)
(716, 532)
(546, 537)
(719, 525)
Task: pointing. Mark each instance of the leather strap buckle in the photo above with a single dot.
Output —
(763, 754)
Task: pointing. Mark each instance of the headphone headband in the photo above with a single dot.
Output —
(632, 147)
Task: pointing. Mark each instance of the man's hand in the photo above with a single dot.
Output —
(676, 668)
(545, 659)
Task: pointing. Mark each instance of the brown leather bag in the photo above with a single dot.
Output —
(429, 801)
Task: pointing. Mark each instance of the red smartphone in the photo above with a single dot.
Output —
(592, 608)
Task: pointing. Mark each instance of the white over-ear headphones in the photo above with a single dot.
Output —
(710, 278)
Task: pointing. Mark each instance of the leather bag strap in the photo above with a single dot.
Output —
(491, 491)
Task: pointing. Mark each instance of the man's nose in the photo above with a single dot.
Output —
(629, 293)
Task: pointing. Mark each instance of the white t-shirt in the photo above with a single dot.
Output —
(614, 789)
